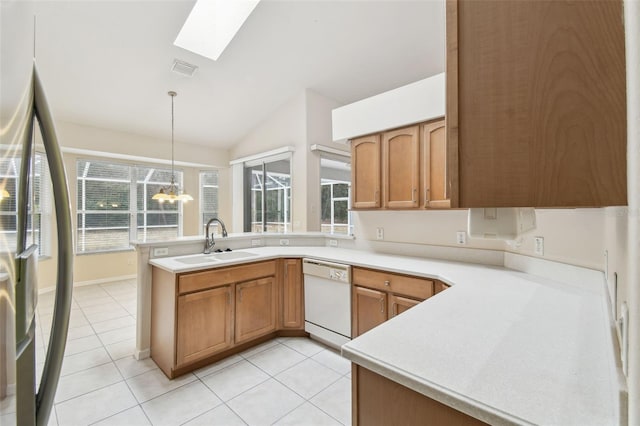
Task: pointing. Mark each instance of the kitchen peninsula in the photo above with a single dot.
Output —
(520, 341)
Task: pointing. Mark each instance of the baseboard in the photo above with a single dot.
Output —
(142, 354)
(91, 282)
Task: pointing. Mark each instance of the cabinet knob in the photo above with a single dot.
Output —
(387, 283)
(426, 195)
(413, 195)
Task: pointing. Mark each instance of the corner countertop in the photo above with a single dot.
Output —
(503, 346)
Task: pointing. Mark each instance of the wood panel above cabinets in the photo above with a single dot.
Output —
(536, 103)
(401, 168)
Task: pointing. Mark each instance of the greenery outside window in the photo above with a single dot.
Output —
(267, 190)
(335, 195)
(209, 199)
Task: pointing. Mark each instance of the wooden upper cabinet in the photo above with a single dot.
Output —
(204, 324)
(400, 171)
(433, 170)
(256, 309)
(365, 172)
(292, 294)
(369, 309)
(536, 103)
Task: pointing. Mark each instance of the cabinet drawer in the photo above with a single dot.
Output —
(419, 288)
(216, 277)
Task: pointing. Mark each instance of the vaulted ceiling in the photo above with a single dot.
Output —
(108, 63)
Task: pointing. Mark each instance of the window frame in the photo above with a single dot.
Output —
(201, 210)
(133, 211)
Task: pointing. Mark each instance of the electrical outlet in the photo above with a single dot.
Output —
(333, 243)
(538, 246)
(461, 237)
(160, 251)
(256, 243)
(379, 233)
(284, 242)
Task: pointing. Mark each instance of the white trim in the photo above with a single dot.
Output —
(142, 354)
(262, 155)
(328, 149)
(134, 158)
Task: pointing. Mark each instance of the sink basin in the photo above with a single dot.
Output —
(197, 259)
(229, 255)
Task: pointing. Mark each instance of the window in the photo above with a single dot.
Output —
(335, 193)
(114, 206)
(267, 190)
(208, 198)
(156, 221)
(39, 208)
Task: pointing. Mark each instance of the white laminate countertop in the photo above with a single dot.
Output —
(503, 346)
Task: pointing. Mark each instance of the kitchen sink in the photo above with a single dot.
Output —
(229, 255)
(197, 259)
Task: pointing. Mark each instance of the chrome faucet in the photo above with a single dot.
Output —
(209, 243)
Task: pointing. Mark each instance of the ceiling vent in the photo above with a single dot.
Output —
(183, 68)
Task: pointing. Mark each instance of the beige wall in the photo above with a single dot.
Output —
(123, 148)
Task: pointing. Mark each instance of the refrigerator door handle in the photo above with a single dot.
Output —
(64, 279)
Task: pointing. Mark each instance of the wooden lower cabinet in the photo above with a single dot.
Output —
(205, 324)
(256, 306)
(292, 294)
(379, 295)
(369, 309)
(378, 401)
(201, 317)
(399, 304)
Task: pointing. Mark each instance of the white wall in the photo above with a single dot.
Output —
(302, 121)
(573, 236)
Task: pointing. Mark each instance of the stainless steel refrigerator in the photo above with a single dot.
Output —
(23, 112)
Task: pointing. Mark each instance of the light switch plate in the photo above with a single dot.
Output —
(333, 243)
(461, 237)
(256, 243)
(284, 242)
(379, 233)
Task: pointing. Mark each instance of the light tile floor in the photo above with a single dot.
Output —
(286, 381)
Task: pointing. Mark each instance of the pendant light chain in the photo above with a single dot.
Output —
(173, 175)
(172, 193)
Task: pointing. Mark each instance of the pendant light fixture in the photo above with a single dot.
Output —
(171, 193)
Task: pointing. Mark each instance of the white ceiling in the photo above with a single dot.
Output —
(107, 64)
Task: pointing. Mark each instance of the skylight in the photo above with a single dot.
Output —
(212, 24)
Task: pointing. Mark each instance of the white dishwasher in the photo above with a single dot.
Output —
(327, 301)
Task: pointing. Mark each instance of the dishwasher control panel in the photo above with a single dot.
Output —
(327, 270)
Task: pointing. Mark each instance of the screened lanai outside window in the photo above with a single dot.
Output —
(209, 199)
(335, 193)
(115, 206)
(155, 220)
(268, 196)
(39, 218)
(104, 212)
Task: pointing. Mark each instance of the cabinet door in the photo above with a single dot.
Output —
(255, 308)
(399, 304)
(204, 324)
(400, 175)
(538, 117)
(435, 193)
(370, 309)
(292, 295)
(365, 172)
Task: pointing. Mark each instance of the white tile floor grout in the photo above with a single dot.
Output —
(286, 381)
